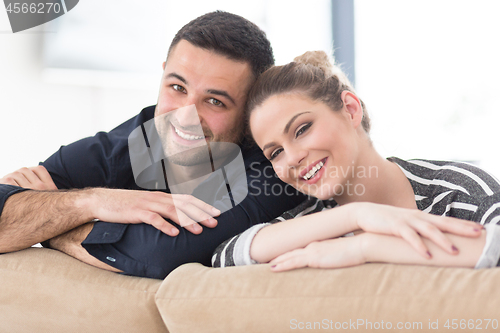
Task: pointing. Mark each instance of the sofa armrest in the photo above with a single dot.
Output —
(194, 298)
(43, 290)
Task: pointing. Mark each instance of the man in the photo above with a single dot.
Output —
(210, 66)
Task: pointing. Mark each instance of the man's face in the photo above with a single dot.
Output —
(207, 91)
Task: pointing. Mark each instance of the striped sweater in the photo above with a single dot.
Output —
(442, 188)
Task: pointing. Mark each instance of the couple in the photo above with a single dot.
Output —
(85, 201)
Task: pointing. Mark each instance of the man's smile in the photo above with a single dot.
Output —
(187, 136)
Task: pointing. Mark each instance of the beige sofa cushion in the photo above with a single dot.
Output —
(194, 298)
(43, 290)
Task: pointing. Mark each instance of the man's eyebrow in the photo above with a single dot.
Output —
(221, 93)
(285, 131)
(177, 76)
(287, 127)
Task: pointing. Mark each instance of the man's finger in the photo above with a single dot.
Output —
(9, 180)
(29, 175)
(159, 223)
(185, 213)
(20, 179)
(200, 204)
(44, 176)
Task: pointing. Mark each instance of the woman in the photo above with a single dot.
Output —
(414, 212)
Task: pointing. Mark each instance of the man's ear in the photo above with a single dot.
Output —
(164, 64)
(352, 106)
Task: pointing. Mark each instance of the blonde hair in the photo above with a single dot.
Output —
(314, 74)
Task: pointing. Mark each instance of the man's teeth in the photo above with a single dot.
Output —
(187, 136)
(313, 171)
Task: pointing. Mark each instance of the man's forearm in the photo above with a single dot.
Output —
(31, 217)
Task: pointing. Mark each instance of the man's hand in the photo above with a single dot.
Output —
(35, 178)
(128, 206)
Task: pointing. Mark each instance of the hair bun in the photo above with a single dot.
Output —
(318, 59)
(326, 63)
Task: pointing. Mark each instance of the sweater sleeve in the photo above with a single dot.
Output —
(236, 250)
(491, 251)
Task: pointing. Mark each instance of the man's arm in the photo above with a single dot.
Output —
(139, 249)
(31, 217)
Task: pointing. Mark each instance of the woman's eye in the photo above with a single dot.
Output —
(275, 153)
(302, 129)
(215, 102)
(178, 88)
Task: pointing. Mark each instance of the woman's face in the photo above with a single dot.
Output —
(310, 146)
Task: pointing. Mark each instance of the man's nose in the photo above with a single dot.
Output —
(188, 116)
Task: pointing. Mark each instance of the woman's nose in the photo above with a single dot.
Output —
(295, 156)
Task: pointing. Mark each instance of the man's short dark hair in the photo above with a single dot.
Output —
(229, 35)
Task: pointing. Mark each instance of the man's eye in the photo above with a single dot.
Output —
(275, 153)
(215, 102)
(179, 88)
(302, 129)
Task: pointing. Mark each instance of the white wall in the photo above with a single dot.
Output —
(428, 71)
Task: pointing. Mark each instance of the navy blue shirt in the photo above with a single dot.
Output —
(140, 249)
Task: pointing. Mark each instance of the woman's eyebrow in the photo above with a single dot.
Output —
(285, 131)
(287, 127)
(269, 145)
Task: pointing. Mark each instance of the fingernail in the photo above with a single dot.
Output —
(213, 221)
(216, 211)
(174, 231)
(429, 255)
(273, 266)
(454, 249)
(196, 227)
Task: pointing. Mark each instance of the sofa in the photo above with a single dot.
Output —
(43, 290)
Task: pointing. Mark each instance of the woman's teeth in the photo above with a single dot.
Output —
(313, 171)
(187, 136)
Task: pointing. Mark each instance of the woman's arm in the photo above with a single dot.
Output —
(368, 247)
(279, 238)
(410, 225)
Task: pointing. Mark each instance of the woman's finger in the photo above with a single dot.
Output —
(434, 234)
(455, 226)
(288, 261)
(415, 241)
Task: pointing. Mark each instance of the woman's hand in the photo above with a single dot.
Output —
(330, 253)
(412, 225)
